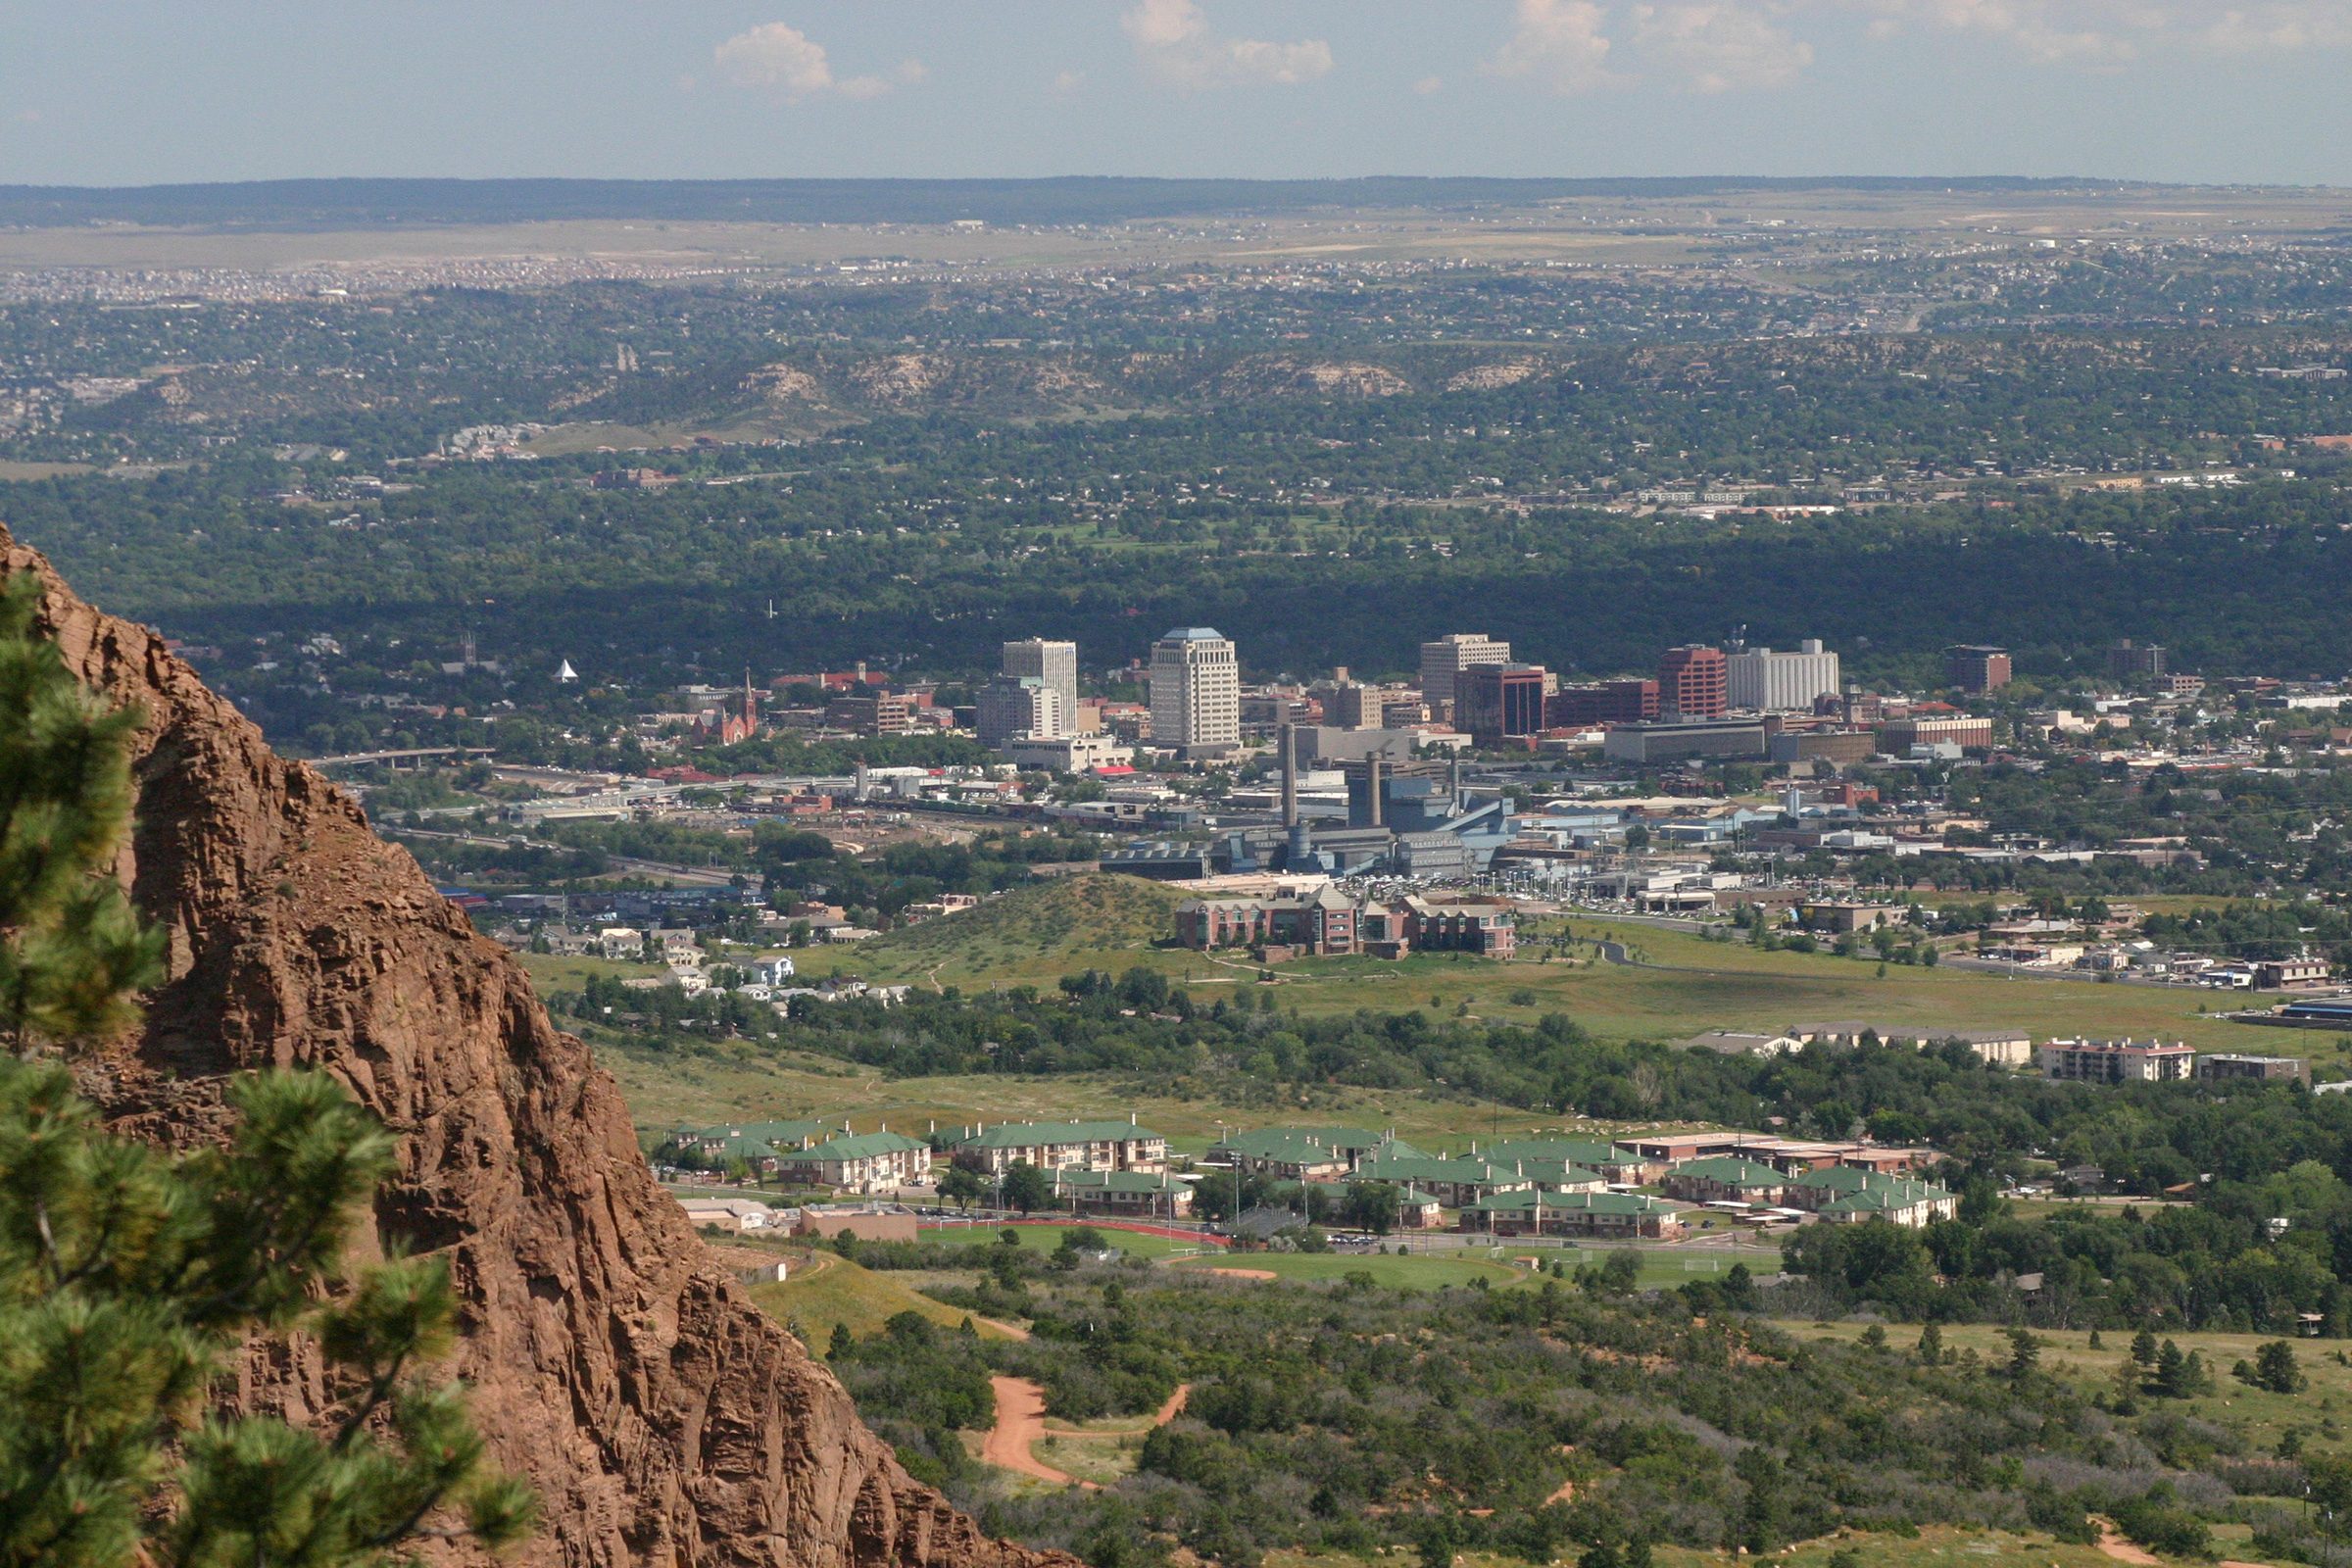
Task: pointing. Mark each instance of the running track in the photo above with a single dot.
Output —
(1138, 1227)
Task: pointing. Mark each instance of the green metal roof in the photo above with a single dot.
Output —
(1418, 1169)
(1851, 1179)
(1729, 1170)
(1574, 1151)
(756, 1132)
(1031, 1134)
(1878, 1199)
(1287, 1143)
(855, 1145)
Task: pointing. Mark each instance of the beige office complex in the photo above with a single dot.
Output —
(1054, 664)
(1450, 654)
(1196, 692)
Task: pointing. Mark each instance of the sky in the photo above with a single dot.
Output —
(113, 92)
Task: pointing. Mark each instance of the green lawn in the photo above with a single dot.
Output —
(1047, 1238)
(1412, 1271)
(735, 1080)
(813, 1299)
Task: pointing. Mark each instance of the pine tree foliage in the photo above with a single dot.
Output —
(72, 952)
(129, 1277)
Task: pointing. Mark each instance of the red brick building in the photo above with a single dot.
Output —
(1695, 681)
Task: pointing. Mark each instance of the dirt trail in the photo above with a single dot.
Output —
(1247, 1273)
(2113, 1545)
(1021, 1421)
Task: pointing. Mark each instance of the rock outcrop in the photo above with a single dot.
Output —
(663, 1418)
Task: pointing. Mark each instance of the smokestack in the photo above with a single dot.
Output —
(1290, 774)
(1372, 784)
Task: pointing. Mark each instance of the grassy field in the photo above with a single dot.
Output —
(1047, 1238)
(1036, 935)
(1031, 936)
(665, 1089)
(2321, 1411)
(826, 1289)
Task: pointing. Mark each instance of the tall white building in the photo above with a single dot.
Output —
(1453, 653)
(1054, 663)
(1759, 680)
(1196, 692)
(1020, 708)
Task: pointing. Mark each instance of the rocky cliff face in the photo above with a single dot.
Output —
(665, 1420)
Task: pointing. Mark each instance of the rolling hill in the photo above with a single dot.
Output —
(1031, 935)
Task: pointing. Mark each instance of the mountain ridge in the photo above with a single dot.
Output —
(662, 1417)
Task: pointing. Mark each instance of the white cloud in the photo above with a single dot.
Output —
(1562, 44)
(1173, 39)
(1716, 46)
(779, 57)
(2285, 24)
(1068, 80)
(2112, 33)
(1428, 84)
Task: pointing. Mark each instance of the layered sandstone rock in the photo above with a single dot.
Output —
(663, 1418)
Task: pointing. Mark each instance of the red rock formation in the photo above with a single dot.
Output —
(663, 1418)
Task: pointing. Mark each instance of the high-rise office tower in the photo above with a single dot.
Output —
(1450, 654)
(1196, 692)
(1054, 663)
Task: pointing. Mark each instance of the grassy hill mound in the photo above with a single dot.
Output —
(1031, 934)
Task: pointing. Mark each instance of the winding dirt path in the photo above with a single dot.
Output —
(1021, 1421)
(2113, 1545)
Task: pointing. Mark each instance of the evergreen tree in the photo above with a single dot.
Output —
(129, 1279)
(1931, 1346)
(2172, 1372)
(72, 953)
(2143, 1348)
(2274, 1368)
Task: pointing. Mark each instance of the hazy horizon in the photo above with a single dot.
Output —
(2170, 91)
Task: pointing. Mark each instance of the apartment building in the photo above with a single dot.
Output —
(2115, 1061)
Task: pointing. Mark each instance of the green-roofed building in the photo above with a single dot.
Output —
(1615, 1162)
(1133, 1194)
(1622, 1215)
(1848, 1195)
(1061, 1146)
(760, 1145)
(859, 1162)
(1303, 1154)
(1452, 1182)
(1725, 1178)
